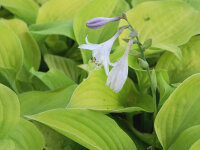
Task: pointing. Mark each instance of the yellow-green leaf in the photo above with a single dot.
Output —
(39, 101)
(24, 9)
(66, 65)
(186, 138)
(59, 10)
(179, 112)
(11, 54)
(196, 145)
(91, 129)
(193, 3)
(9, 111)
(172, 24)
(7, 144)
(93, 93)
(27, 137)
(178, 70)
(30, 48)
(53, 79)
(41, 31)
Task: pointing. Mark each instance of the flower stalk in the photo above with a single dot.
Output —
(119, 73)
(153, 91)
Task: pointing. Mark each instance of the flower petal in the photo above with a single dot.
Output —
(102, 51)
(117, 77)
(88, 46)
(119, 73)
(106, 62)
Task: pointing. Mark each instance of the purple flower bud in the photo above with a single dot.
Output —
(124, 15)
(99, 22)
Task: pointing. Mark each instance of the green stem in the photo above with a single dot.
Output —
(153, 91)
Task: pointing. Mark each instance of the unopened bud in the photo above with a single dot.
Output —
(147, 44)
(126, 40)
(99, 22)
(124, 27)
(144, 64)
(124, 15)
(133, 34)
(134, 53)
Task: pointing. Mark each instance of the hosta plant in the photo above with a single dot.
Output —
(99, 74)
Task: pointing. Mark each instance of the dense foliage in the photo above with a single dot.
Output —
(53, 95)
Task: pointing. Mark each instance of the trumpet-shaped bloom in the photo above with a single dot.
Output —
(101, 51)
(119, 73)
(99, 22)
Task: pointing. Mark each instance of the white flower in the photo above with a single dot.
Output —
(119, 73)
(101, 51)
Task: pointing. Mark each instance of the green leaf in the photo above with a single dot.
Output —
(37, 101)
(137, 2)
(40, 31)
(11, 53)
(178, 70)
(179, 112)
(38, 85)
(186, 138)
(94, 9)
(68, 66)
(55, 140)
(88, 128)
(4, 13)
(193, 3)
(35, 85)
(53, 79)
(8, 77)
(23, 86)
(196, 145)
(169, 47)
(7, 144)
(27, 137)
(138, 138)
(60, 10)
(41, 1)
(179, 22)
(93, 93)
(25, 9)
(56, 44)
(9, 111)
(164, 88)
(31, 50)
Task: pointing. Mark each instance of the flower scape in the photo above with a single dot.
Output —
(99, 74)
